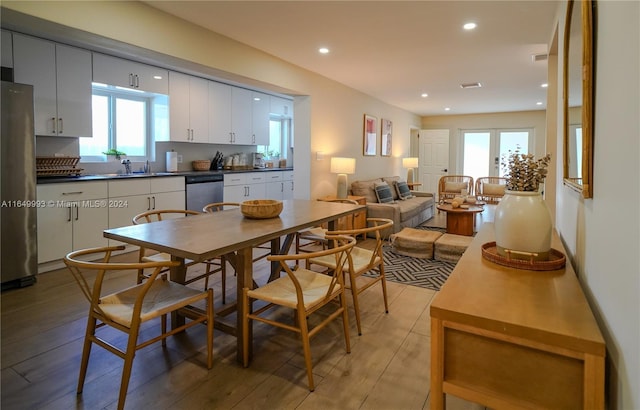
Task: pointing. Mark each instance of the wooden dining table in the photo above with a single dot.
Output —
(202, 237)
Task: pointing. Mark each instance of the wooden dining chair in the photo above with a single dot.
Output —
(313, 237)
(211, 266)
(361, 261)
(128, 308)
(304, 291)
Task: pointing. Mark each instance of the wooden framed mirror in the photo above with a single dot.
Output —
(578, 97)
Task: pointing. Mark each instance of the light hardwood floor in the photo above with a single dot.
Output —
(388, 368)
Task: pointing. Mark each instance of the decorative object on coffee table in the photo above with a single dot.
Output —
(522, 220)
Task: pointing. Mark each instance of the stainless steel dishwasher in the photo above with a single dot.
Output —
(203, 189)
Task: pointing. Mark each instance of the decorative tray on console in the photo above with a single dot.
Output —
(556, 260)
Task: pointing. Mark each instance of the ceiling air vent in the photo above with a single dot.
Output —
(539, 57)
(470, 85)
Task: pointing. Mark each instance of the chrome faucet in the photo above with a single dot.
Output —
(147, 168)
(127, 166)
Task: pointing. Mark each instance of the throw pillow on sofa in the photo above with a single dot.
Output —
(383, 192)
(403, 190)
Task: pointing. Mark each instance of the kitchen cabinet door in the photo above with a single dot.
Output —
(188, 104)
(61, 79)
(220, 113)
(260, 119)
(74, 218)
(241, 119)
(129, 74)
(55, 232)
(281, 107)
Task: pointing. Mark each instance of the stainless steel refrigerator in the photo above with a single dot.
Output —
(18, 217)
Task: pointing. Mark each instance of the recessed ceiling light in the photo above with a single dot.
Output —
(256, 98)
(545, 85)
(323, 50)
(447, 109)
(470, 85)
(469, 26)
(424, 95)
(539, 103)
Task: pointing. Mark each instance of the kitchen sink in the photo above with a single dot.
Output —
(134, 175)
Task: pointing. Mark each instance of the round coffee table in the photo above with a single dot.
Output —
(460, 220)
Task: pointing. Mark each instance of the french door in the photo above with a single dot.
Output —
(484, 150)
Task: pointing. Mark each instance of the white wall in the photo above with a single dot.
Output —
(602, 234)
(328, 116)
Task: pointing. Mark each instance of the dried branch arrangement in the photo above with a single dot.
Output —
(523, 172)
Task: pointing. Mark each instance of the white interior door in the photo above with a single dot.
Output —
(434, 158)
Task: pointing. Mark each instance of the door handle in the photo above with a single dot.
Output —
(444, 170)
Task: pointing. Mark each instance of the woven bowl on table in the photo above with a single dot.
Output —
(201, 165)
(261, 208)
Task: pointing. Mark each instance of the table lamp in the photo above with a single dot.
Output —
(342, 167)
(410, 163)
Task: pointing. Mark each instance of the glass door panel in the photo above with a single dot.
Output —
(511, 141)
(483, 150)
(477, 151)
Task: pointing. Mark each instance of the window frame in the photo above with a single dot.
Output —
(113, 93)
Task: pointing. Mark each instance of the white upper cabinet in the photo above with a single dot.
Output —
(241, 122)
(129, 74)
(260, 119)
(61, 79)
(281, 106)
(237, 115)
(220, 113)
(189, 108)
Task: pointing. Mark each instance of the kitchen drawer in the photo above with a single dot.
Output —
(255, 178)
(130, 186)
(72, 191)
(274, 176)
(235, 179)
(168, 184)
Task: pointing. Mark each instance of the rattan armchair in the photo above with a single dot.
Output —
(490, 189)
(128, 308)
(450, 186)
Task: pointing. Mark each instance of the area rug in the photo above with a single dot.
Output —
(425, 273)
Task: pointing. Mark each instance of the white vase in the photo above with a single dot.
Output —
(523, 226)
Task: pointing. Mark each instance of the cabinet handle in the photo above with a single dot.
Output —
(234, 137)
(131, 80)
(77, 211)
(191, 134)
(137, 81)
(53, 125)
(69, 217)
(60, 126)
(281, 186)
(73, 193)
(154, 202)
(148, 203)
(253, 138)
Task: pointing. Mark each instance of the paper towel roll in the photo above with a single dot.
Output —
(172, 161)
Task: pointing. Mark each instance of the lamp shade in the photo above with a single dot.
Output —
(411, 162)
(341, 165)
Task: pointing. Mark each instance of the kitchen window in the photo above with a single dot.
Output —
(279, 137)
(124, 120)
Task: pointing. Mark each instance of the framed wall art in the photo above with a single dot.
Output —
(370, 135)
(386, 138)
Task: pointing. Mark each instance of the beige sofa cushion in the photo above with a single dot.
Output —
(455, 186)
(493, 189)
(365, 189)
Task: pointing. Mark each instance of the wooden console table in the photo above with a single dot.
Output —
(512, 338)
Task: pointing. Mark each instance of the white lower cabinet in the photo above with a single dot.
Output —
(137, 195)
(74, 216)
(244, 186)
(279, 185)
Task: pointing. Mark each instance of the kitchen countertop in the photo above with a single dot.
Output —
(97, 177)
